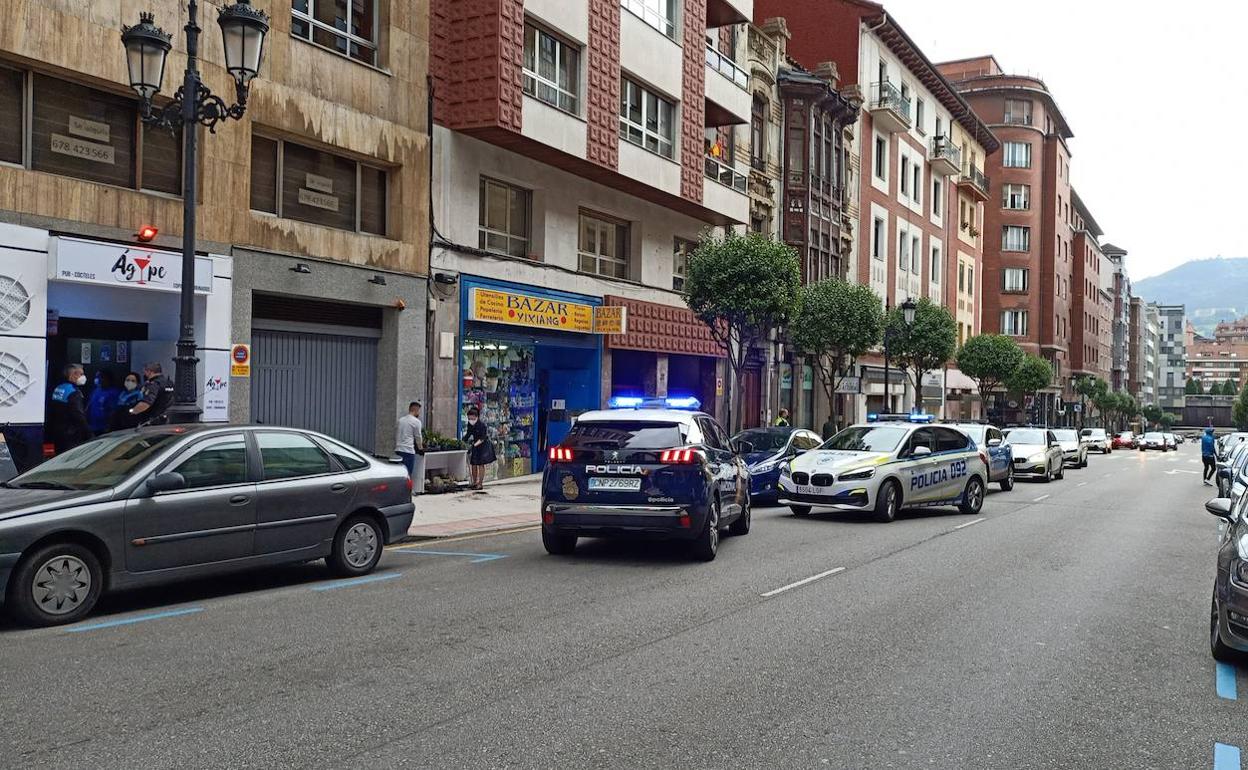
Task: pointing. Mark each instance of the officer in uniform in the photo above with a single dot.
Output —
(67, 413)
(157, 396)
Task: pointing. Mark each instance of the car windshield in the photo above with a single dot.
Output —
(867, 438)
(1025, 436)
(765, 440)
(99, 464)
(1126, 434)
(1153, 437)
(624, 434)
(1066, 435)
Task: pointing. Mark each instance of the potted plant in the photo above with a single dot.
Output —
(445, 455)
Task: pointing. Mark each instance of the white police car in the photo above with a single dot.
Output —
(884, 464)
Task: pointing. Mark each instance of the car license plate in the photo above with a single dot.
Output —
(806, 489)
(615, 485)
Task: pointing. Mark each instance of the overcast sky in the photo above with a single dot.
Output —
(1155, 95)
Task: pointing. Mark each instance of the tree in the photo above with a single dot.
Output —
(835, 324)
(1239, 413)
(1194, 388)
(924, 345)
(1229, 389)
(1152, 413)
(1031, 375)
(989, 359)
(741, 287)
(1088, 389)
(1168, 420)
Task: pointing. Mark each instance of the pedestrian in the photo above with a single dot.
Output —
(829, 428)
(1208, 454)
(782, 419)
(67, 413)
(102, 402)
(409, 445)
(156, 398)
(120, 418)
(480, 450)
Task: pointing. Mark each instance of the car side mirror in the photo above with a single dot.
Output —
(1220, 507)
(994, 442)
(920, 451)
(166, 482)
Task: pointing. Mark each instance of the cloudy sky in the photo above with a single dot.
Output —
(1149, 90)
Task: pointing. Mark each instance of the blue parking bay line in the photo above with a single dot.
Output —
(475, 558)
(1225, 757)
(357, 581)
(1225, 679)
(135, 619)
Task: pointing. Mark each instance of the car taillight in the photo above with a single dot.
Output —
(983, 456)
(678, 456)
(410, 484)
(560, 453)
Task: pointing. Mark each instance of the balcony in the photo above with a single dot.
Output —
(945, 156)
(725, 66)
(974, 182)
(727, 90)
(890, 111)
(724, 190)
(725, 174)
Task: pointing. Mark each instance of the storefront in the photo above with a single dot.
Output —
(530, 361)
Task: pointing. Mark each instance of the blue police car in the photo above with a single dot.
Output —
(646, 468)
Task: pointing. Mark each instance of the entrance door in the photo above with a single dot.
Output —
(751, 398)
(575, 388)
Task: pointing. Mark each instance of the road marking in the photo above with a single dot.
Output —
(802, 582)
(1041, 497)
(969, 523)
(357, 581)
(1224, 677)
(477, 558)
(136, 619)
(1225, 757)
(1173, 471)
(1082, 484)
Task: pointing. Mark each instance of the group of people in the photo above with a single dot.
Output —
(75, 417)
(409, 445)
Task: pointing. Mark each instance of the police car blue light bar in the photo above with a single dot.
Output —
(910, 417)
(683, 402)
(637, 402)
(625, 402)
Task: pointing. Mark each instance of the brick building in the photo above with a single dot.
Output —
(1121, 345)
(1090, 333)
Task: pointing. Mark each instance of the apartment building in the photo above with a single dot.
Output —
(1171, 357)
(1121, 345)
(1144, 343)
(1089, 331)
(1232, 332)
(921, 188)
(1211, 362)
(312, 213)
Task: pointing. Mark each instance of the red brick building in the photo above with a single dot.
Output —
(1091, 334)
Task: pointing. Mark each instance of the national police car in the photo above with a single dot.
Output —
(882, 465)
(654, 472)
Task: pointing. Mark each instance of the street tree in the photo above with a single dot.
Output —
(1168, 420)
(1152, 413)
(924, 345)
(1032, 375)
(1229, 389)
(741, 287)
(836, 322)
(1239, 413)
(1194, 388)
(1088, 389)
(989, 359)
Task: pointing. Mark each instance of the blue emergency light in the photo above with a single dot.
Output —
(911, 417)
(690, 403)
(625, 402)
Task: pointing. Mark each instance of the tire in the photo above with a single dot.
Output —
(1061, 471)
(1217, 648)
(706, 545)
(558, 545)
(742, 525)
(888, 502)
(1084, 462)
(57, 584)
(800, 510)
(357, 547)
(1048, 474)
(1007, 483)
(972, 496)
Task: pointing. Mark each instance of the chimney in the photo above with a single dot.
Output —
(826, 70)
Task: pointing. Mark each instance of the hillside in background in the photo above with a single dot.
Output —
(1212, 289)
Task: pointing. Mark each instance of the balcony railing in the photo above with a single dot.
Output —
(943, 148)
(885, 95)
(725, 174)
(727, 67)
(977, 178)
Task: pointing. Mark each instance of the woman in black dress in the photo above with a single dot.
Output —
(480, 450)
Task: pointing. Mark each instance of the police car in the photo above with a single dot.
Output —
(886, 463)
(649, 468)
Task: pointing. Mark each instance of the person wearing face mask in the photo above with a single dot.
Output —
(67, 413)
(121, 418)
(157, 396)
(480, 450)
(102, 402)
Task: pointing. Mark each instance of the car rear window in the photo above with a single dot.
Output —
(764, 440)
(1025, 437)
(624, 434)
(1065, 435)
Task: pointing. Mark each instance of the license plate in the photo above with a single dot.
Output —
(615, 485)
(805, 489)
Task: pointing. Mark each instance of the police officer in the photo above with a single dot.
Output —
(67, 414)
(157, 396)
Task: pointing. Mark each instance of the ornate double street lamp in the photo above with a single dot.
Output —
(907, 314)
(243, 30)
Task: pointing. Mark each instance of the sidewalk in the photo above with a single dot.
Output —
(507, 504)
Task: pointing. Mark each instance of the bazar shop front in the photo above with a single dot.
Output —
(531, 362)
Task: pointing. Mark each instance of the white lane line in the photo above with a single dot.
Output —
(802, 582)
(969, 523)
(1041, 497)
(1082, 484)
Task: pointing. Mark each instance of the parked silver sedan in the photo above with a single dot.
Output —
(1037, 453)
(159, 504)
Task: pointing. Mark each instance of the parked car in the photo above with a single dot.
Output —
(1097, 440)
(158, 504)
(771, 447)
(1037, 454)
(1125, 440)
(1000, 455)
(1074, 451)
(1228, 613)
(1229, 469)
(1226, 443)
(1154, 440)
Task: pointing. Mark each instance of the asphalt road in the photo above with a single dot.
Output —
(1065, 627)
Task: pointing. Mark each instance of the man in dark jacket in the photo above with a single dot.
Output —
(157, 396)
(67, 411)
(1208, 454)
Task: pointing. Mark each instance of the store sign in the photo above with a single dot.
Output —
(503, 307)
(116, 264)
(23, 361)
(610, 319)
(808, 378)
(318, 200)
(82, 149)
(88, 129)
(849, 385)
(786, 378)
(240, 360)
(216, 386)
(23, 294)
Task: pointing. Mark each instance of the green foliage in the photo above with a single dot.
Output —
(836, 322)
(1169, 420)
(1152, 413)
(1089, 389)
(1239, 413)
(436, 442)
(1229, 389)
(924, 345)
(1032, 374)
(1194, 387)
(989, 359)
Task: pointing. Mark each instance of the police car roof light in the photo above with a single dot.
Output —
(683, 402)
(910, 417)
(625, 402)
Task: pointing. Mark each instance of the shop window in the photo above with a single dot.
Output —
(289, 455)
(12, 84)
(551, 69)
(647, 119)
(603, 246)
(680, 261)
(504, 218)
(498, 377)
(348, 27)
(308, 185)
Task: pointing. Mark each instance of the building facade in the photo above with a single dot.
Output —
(1089, 332)
(1121, 344)
(1144, 343)
(1213, 363)
(1171, 357)
(312, 215)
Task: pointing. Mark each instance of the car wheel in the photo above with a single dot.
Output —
(1217, 648)
(887, 502)
(357, 547)
(57, 584)
(742, 525)
(706, 545)
(558, 545)
(1061, 471)
(972, 496)
(1048, 474)
(1083, 463)
(1007, 483)
(800, 510)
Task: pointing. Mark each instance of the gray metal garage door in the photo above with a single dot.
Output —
(322, 382)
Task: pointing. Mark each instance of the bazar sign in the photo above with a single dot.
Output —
(117, 264)
(503, 307)
(611, 319)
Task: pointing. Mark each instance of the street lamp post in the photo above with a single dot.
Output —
(243, 30)
(907, 314)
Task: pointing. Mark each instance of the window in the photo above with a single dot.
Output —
(318, 187)
(646, 119)
(940, 126)
(680, 261)
(289, 455)
(916, 256)
(905, 175)
(950, 440)
(215, 463)
(345, 456)
(903, 252)
(877, 238)
(1016, 154)
(881, 158)
(350, 28)
(503, 218)
(937, 189)
(603, 246)
(1014, 279)
(1018, 111)
(918, 116)
(551, 69)
(1015, 238)
(970, 279)
(961, 277)
(936, 268)
(1016, 196)
(758, 134)
(917, 186)
(1014, 323)
(660, 14)
(12, 105)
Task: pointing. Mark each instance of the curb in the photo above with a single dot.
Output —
(474, 532)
